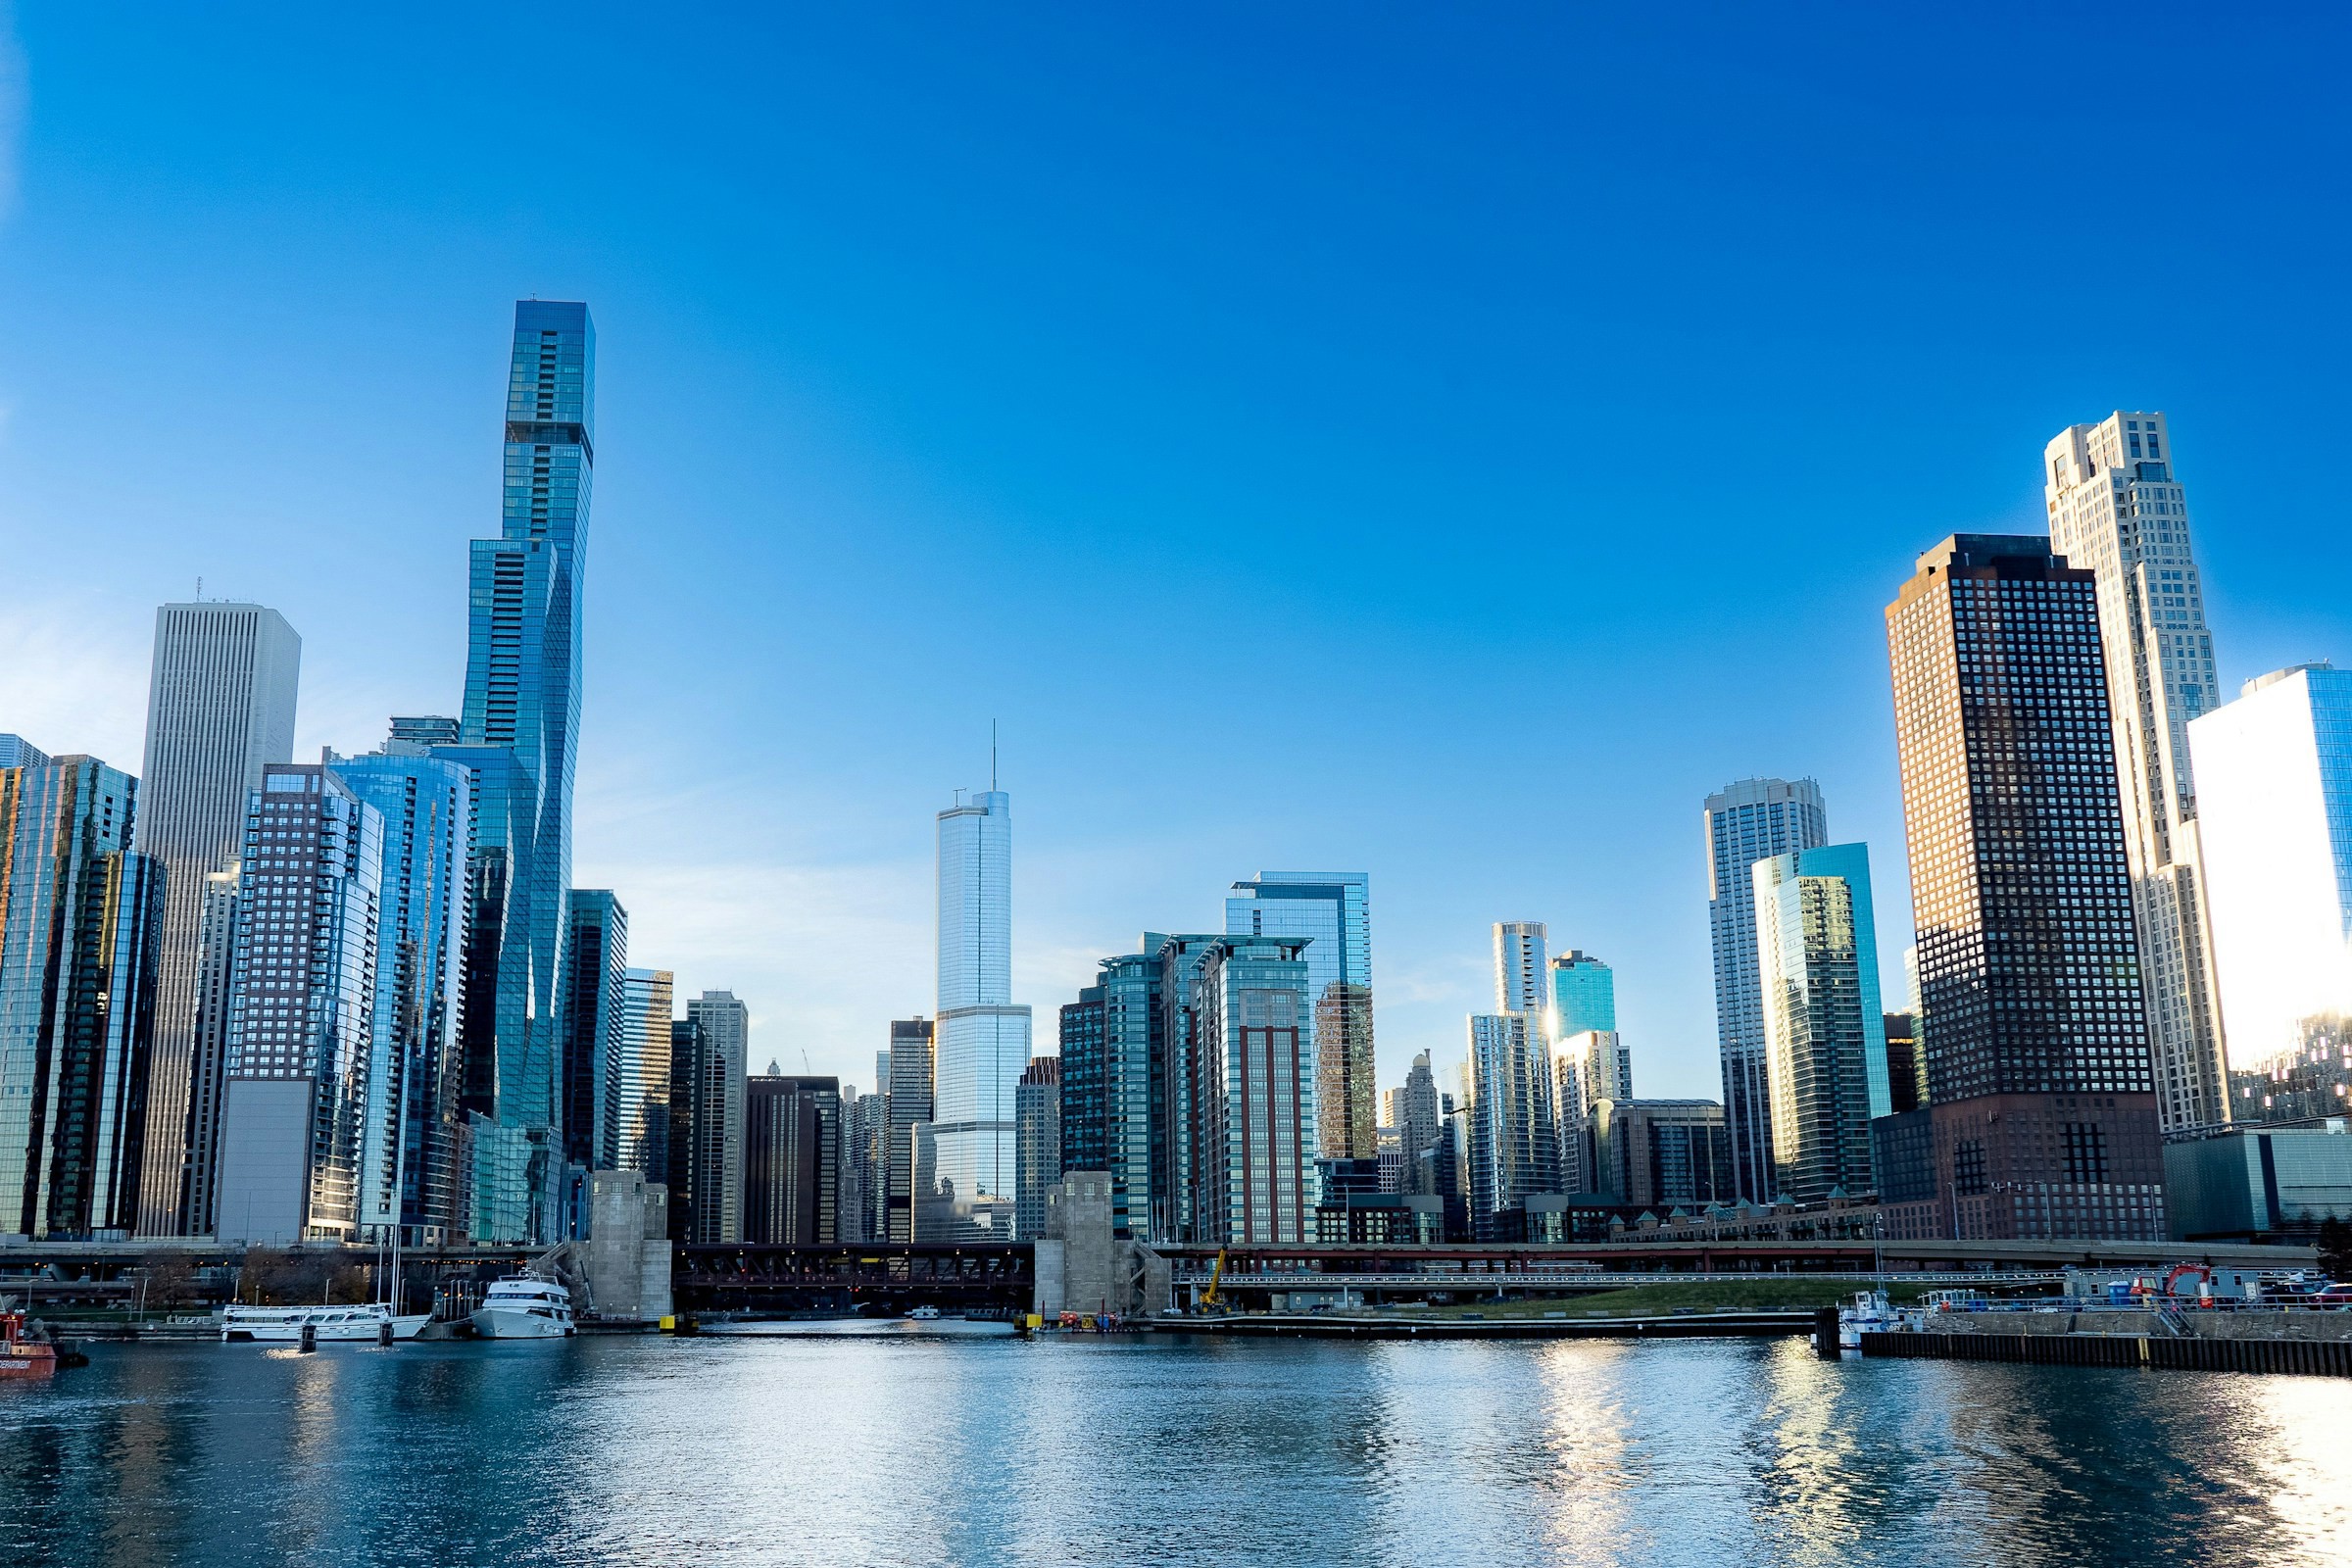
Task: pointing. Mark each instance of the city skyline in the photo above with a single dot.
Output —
(778, 869)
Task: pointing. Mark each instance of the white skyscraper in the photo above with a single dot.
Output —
(2275, 817)
(981, 1039)
(219, 708)
(2115, 508)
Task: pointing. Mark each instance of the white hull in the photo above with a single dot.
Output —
(284, 1325)
(511, 1323)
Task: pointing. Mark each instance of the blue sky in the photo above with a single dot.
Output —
(1441, 443)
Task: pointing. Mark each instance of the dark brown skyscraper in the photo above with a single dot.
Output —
(791, 1160)
(2044, 1109)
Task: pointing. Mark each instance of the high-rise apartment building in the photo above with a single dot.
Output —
(1114, 1069)
(1514, 1121)
(1750, 820)
(981, 1038)
(17, 752)
(911, 1046)
(1037, 1116)
(647, 1008)
(216, 969)
(2275, 819)
(2117, 509)
(2043, 1111)
(302, 1011)
(1583, 995)
(1253, 1135)
(1586, 1069)
(1825, 1039)
(412, 1142)
(81, 922)
(1332, 911)
(1662, 1153)
(594, 1016)
(523, 696)
(1520, 978)
(219, 708)
(791, 1160)
(723, 1039)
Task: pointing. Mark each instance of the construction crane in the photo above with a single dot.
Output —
(1212, 1300)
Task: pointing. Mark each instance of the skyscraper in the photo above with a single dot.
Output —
(1520, 978)
(1115, 1060)
(1037, 1114)
(79, 922)
(909, 1108)
(2275, 817)
(2044, 1109)
(646, 1011)
(1747, 822)
(217, 947)
(1332, 910)
(708, 1052)
(219, 707)
(302, 1011)
(1825, 1041)
(981, 1040)
(791, 1160)
(1254, 1091)
(594, 1016)
(412, 1141)
(522, 694)
(1513, 1123)
(2117, 511)
(1583, 995)
(1417, 1119)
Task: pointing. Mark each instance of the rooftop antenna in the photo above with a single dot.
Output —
(992, 756)
(200, 590)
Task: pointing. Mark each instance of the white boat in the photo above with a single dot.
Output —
(1869, 1314)
(524, 1308)
(284, 1324)
(925, 1314)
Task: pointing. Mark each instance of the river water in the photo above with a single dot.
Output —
(961, 1447)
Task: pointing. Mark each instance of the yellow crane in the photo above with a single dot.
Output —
(1212, 1300)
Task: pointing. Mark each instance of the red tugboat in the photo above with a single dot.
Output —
(24, 1351)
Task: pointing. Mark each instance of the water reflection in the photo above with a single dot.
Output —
(894, 1449)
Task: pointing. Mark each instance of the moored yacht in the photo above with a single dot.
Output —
(286, 1324)
(524, 1308)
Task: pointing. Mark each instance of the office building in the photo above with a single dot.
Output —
(2042, 1096)
(1513, 1119)
(2259, 1183)
(791, 1160)
(647, 1008)
(1750, 820)
(1037, 1158)
(216, 969)
(594, 1014)
(706, 1114)
(1583, 995)
(1662, 1153)
(2117, 511)
(523, 696)
(1114, 1066)
(2275, 820)
(219, 707)
(17, 752)
(302, 1012)
(911, 1041)
(81, 926)
(1825, 1036)
(1417, 1119)
(1586, 1069)
(1906, 1064)
(410, 1148)
(1331, 911)
(1254, 1069)
(980, 1039)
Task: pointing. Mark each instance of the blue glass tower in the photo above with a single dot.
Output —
(522, 694)
(1331, 909)
(1583, 995)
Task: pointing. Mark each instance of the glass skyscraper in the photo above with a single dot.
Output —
(1253, 1090)
(1825, 1038)
(219, 707)
(981, 1039)
(1583, 995)
(410, 1145)
(596, 963)
(1332, 910)
(522, 694)
(646, 1012)
(1748, 821)
(81, 917)
(2275, 814)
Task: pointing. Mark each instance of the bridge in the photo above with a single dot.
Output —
(880, 1276)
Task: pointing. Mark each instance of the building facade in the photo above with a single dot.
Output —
(1750, 820)
(980, 1039)
(1253, 1136)
(1666, 1153)
(648, 1006)
(1825, 1037)
(2042, 1094)
(219, 708)
(1332, 911)
(2117, 509)
(791, 1160)
(302, 1012)
(1037, 1115)
(1583, 995)
(594, 1017)
(909, 1106)
(81, 928)
(2274, 823)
